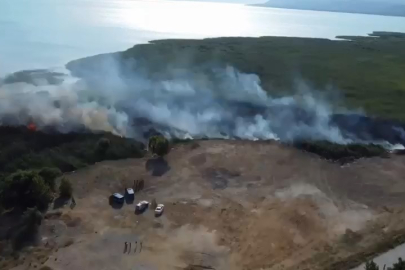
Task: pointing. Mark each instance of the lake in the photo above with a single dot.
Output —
(49, 33)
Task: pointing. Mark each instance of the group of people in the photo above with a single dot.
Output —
(128, 247)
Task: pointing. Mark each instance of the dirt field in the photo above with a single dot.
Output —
(229, 205)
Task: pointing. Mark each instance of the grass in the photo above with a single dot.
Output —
(367, 71)
(341, 153)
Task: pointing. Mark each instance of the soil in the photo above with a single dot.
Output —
(228, 205)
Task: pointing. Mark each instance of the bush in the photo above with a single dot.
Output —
(28, 228)
(371, 266)
(21, 149)
(400, 265)
(159, 145)
(102, 145)
(25, 189)
(65, 188)
(340, 152)
(49, 175)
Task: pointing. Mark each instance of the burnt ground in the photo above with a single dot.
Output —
(229, 205)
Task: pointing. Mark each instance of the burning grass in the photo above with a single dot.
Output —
(367, 71)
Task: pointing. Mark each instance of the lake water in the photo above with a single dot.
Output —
(49, 33)
(387, 259)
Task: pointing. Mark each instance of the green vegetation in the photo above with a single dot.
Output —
(368, 71)
(65, 188)
(28, 228)
(102, 146)
(159, 145)
(49, 175)
(24, 189)
(22, 149)
(371, 266)
(400, 265)
(341, 153)
(31, 161)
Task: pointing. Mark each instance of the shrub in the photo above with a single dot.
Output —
(340, 152)
(400, 265)
(32, 218)
(371, 266)
(25, 189)
(65, 188)
(24, 150)
(159, 145)
(49, 175)
(28, 228)
(102, 145)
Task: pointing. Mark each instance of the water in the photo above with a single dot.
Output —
(388, 258)
(49, 33)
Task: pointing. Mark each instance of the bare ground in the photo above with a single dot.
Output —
(229, 205)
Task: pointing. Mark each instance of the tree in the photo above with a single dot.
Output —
(49, 175)
(159, 145)
(371, 266)
(29, 227)
(65, 188)
(102, 145)
(25, 189)
(32, 218)
(400, 265)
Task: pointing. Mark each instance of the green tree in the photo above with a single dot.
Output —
(29, 227)
(102, 146)
(32, 218)
(371, 266)
(159, 145)
(25, 189)
(65, 188)
(400, 265)
(49, 175)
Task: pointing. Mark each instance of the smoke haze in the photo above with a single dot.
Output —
(199, 103)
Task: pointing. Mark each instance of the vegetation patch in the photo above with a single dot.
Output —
(367, 71)
(30, 162)
(342, 152)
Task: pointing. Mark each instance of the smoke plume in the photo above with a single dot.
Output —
(214, 102)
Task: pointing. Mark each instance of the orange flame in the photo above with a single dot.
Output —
(32, 127)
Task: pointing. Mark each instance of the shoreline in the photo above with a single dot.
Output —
(332, 11)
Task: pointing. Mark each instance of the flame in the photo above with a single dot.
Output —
(32, 127)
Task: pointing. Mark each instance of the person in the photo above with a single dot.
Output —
(140, 248)
(126, 247)
(136, 245)
(130, 246)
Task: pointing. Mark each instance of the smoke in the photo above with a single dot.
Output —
(204, 102)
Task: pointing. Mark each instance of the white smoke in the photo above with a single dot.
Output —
(218, 103)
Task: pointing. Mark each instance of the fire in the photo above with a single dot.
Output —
(32, 127)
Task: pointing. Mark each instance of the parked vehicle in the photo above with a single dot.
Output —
(118, 198)
(159, 209)
(141, 206)
(130, 194)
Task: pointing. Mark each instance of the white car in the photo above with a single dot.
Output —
(159, 209)
(142, 205)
